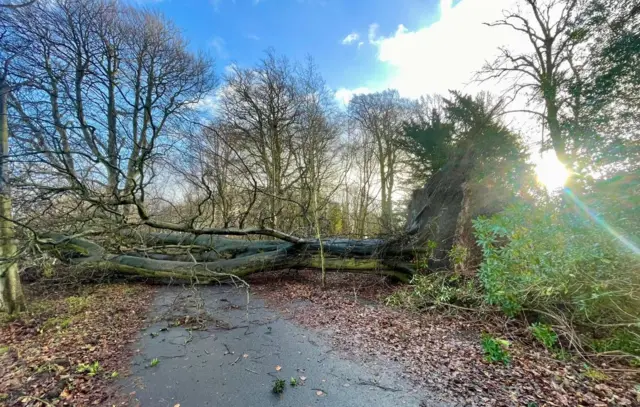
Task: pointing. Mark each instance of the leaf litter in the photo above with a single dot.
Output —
(441, 350)
(69, 348)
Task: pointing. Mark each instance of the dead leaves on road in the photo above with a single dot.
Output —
(443, 352)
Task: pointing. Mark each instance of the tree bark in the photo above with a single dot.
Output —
(11, 296)
(234, 257)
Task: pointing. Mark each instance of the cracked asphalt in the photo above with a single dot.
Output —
(231, 359)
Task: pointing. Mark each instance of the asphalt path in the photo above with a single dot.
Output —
(228, 354)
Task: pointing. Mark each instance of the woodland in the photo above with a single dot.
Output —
(126, 158)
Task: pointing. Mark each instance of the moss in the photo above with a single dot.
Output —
(595, 374)
(355, 265)
(57, 323)
(76, 304)
(69, 247)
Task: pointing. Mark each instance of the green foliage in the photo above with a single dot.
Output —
(594, 374)
(544, 334)
(623, 340)
(154, 362)
(58, 323)
(446, 129)
(458, 254)
(278, 386)
(495, 350)
(437, 289)
(77, 304)
(421, 260)
(92, 369)
(293, 382)
(554, 259)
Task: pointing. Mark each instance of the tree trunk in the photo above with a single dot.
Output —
(11, 296)
(214, 258)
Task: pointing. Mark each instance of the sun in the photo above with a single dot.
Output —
(550, 171)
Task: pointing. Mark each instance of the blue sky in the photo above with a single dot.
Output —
(240, 30)
(416, 46)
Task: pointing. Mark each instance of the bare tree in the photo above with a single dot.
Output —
(545, 70)
(12, 6)
(105, 83)
(317, 143)
(11, 295)
(263, 106)
(381, 116)
(108, 95)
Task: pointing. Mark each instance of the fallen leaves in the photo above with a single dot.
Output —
(92, 329)
(278, 368)
(441, 352)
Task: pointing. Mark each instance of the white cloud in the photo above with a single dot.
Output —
(373, 29)
(230, 69)
(351, 38)
(218, 44)
(344, 95)
(253, 37)
(360, 44)
(446, 54)
(208, 104)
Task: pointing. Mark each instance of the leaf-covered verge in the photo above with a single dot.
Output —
(443, 350)
(70, 347)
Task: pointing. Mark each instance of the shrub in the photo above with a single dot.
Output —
(435, 289)
(544, 334)
(495, 350)
(553, 259)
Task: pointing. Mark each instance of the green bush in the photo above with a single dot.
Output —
(554, 259)
(544, 334)
(435, 289)
(495, 350)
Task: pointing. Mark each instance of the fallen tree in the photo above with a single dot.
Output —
(211, 258)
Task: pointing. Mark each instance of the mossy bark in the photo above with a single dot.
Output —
(236, 260)
(11, 295)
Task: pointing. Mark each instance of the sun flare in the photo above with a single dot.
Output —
(550, 172)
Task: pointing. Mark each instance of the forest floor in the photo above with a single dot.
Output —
(72, 345)
(342, 346)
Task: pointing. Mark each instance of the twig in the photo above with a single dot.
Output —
(228, 350)
(28, 398)
(235, 361)
(374, 384)
(249, 370)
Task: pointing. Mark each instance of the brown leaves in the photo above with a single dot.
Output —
(278, 368)
(442, 352)
(48, 344)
